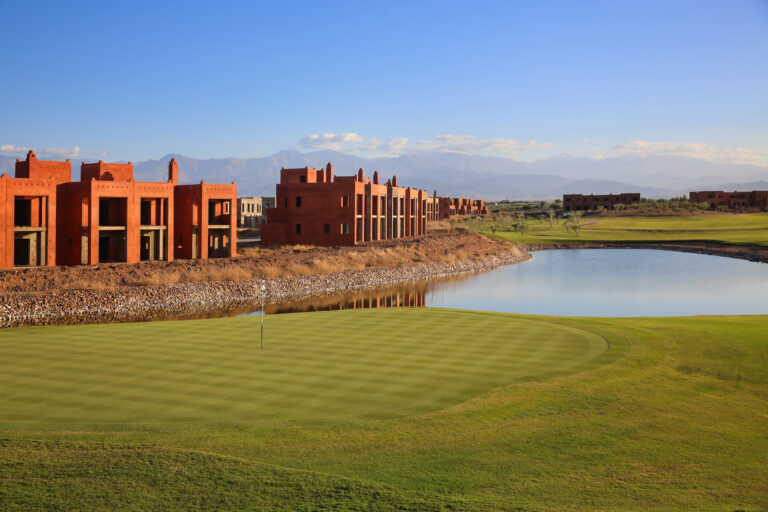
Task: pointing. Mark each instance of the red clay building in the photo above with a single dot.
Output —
(458, 206)
(583, 202)
(110, 217)
(315, 207)
(715, 198)
(47, 219)
(28, 212)
(206, 221)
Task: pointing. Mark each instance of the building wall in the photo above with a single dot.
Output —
(250, 212)
(110, 214)
(204, 211)
(111, 186)
(458, 206)
(715, 198)
(315, 207)
(574, 202)
(38, 229)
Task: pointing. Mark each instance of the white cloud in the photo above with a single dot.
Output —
(70, 152)
(62, 152)
(371, 146)
(10, 148)
(737, 155)
(334, 141)
(471, 144)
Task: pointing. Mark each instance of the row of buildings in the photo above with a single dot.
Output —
(108, 216)
(713, 198)
(718, 198)
(584, 202)
(315, 207)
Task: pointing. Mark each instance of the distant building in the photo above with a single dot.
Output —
(315, 207)
(433, 208)
(108, 216)
(583, 202)
(250, 212)
(267, 202)
(716, 198)
(458, 206)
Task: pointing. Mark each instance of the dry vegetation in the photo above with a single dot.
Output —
(444, 244)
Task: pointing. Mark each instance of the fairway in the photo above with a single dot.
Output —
(735, 229)
(314, 366)
(387, 409)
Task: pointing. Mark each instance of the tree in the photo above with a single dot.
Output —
(522, 226)
(551, 217)
(573, 222)
(493, 227)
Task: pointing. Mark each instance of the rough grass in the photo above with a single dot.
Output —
(341, 411)
(737, 229)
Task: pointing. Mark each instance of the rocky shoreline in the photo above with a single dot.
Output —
(739, 252)
(200, 299)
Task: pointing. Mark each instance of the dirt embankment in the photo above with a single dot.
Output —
(758, 254)
(155, 290)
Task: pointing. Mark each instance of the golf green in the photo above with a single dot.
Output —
(341, 365)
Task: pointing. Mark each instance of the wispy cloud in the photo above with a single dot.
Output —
(334, 141)
(70, 152)
(471, 144)
(738, 155)
(371, 146)
(10, 148)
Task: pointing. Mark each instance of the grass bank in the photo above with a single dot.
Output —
(414, 409)
(749, 229)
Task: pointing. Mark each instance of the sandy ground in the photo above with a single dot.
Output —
(252, 263)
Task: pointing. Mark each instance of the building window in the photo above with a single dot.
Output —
(298, 229)
(302, 179)
(345, 229)
(226, 207)
(344, 201)
(298, 201)
(327, 229)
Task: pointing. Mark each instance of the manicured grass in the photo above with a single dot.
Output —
(314, 367)
(388, 410)
(738, 229)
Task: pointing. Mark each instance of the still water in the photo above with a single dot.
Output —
(588, 282)
(614, 282)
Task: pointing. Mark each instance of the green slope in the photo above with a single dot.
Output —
(732, 229)
(672, 416)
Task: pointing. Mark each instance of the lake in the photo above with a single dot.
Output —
(587, 282)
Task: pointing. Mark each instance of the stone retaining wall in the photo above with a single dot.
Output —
(218, 297)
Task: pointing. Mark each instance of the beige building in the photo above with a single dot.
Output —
(250, 210)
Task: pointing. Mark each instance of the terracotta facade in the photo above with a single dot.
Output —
(460, 206)
(715, 198)
(312, 206)
(583, 202)
(107, 216)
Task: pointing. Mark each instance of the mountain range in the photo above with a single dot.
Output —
(458, 174)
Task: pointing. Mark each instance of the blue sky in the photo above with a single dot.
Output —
(527, 80)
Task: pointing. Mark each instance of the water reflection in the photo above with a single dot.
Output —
(588, 282)
(404, 296)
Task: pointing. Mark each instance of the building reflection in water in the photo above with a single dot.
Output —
(414, 296)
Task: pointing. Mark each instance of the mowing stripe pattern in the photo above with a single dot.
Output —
(324, 366)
